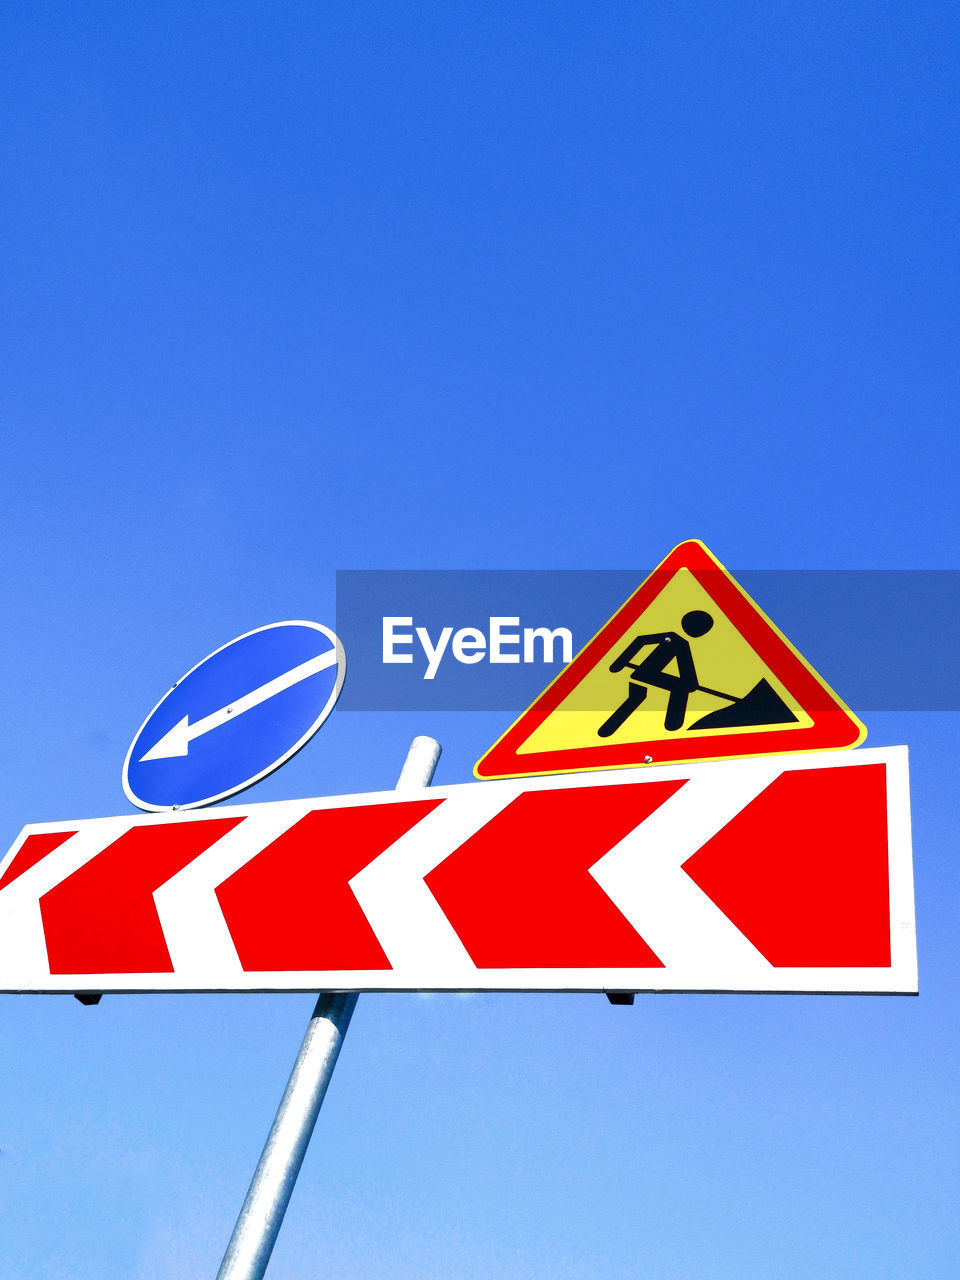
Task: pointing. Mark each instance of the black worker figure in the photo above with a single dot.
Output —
(669, 646)
(761, 705)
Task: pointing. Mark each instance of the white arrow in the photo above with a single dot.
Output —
(176, 741)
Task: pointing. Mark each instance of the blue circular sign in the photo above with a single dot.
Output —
(235, 717)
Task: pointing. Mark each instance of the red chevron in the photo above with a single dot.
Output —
(102, 918)
(34, 848)
(291, 906)
(519, 893)
(802, 871)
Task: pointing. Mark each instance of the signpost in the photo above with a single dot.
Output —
(775, 874)
(272, 1185)
(235, 717)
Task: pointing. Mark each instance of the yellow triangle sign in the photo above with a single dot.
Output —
(689, 668)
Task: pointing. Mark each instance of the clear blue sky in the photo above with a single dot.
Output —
(293, 287)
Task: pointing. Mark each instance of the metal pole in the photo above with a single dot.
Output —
(266, 1202)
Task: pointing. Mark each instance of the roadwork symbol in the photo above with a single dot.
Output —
(688, 669)
(759, 706)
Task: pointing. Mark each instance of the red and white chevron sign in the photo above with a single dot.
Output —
(777, 874)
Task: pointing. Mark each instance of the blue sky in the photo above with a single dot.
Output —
(295, 287)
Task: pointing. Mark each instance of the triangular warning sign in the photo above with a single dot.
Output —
(688, 669)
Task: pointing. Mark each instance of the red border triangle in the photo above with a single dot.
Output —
(834, 725)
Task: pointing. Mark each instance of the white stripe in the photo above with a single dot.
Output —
(644, 877)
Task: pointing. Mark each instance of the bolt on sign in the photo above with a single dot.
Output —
(689, 668)
(774, 874)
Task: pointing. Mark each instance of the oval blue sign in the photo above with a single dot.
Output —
(235, 717)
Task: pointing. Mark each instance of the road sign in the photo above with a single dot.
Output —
(688, 669)
(776, 874)
(235, 717)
